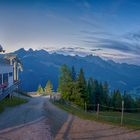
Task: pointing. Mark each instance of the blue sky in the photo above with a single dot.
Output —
(107, 28)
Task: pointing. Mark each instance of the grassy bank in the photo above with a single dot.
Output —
(23, 93)
(7, 102)
(131, 120)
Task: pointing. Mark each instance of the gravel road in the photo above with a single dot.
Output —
(57, 124)
(23, 113)
(57, 117)
(25, 122)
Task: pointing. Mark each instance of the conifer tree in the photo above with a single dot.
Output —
(97, 92)
(73, 73)
(117, 99)
(128, 101)
(65, 83)
(81, 86)
(105, 94)
(49, 88)
(91, 93)
(40, 89)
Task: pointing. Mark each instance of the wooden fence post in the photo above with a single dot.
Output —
(122, 112)
(98, 109)
(85, 107)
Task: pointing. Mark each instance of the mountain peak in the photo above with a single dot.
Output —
(20, 50)
(30, 50)
(94, 66)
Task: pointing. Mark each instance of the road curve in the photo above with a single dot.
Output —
(23, 114)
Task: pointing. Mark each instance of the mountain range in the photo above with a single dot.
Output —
(40, 66)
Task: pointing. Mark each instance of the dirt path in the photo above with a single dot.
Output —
(78, 129)
(73, 128)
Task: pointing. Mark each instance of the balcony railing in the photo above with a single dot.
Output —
(4, 85)
(5, 92)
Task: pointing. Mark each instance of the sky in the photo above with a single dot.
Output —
(106, 28)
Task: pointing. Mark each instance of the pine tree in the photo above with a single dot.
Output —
(96, 91)
(73, 73)
(82, 87)
(101, 94)
(128, 101)
(49, 88)
(137, 102)
(76, 96)
(91, 93)
(65, 83)
(105, 94)
(40, 89)
(117, 99)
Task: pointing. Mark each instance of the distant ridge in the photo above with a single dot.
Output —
(39, 66)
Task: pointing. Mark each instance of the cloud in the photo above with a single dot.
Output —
(94, 33)
(83, 3)
(124, 43)
(134, 36)
(115, 55)
(114, 44)
(87, 21)
(81, 51)
(94, 50)
(86, 4)
(116, 6)
(120, 45)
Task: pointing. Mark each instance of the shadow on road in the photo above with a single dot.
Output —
(56, 117)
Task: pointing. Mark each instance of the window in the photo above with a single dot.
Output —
(5, 78)
(10, 74)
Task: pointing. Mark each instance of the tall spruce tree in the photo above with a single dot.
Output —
(91, 93)
(128, 101)
(137, 102)
(73, 73)
(106, 99)
(117, 99)
(97, 92)
(65, 82)
(82, 87)
(101, 94)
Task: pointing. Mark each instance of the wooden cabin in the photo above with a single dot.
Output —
(10, 66)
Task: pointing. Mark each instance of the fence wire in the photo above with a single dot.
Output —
(108, 112)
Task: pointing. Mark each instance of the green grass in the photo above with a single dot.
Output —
(24, 93)
(129, 121)
(14, 101)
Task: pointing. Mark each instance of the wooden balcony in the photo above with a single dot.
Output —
(5, 92)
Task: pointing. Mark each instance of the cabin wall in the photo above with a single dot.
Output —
(6, 71)
(11, 82)
(6, 68)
